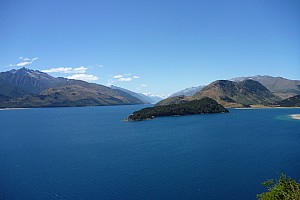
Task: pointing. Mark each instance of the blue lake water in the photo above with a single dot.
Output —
(90, 153)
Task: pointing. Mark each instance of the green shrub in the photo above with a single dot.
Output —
(284, 188)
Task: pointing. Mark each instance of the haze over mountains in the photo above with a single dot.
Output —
(145, 98)
(190, 91)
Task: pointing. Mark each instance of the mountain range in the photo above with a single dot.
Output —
(32, 88)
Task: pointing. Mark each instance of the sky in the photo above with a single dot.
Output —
(152, 46)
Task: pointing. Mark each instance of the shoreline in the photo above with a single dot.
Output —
(266, 107)
(295, 116)
(13, 108)
(238, 108)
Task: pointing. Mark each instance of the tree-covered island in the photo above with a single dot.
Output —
(202, 106)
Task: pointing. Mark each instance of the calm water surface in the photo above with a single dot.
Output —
(90, 153)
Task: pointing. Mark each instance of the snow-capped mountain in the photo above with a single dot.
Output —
(188, 91)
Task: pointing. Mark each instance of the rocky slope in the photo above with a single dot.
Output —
(8, 91)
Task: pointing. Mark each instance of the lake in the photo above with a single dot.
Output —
(90, 153)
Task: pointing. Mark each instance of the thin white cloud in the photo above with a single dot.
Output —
(149, 94)
(141, 87)
(79, 73)
(80, 70)
(58, 70)
(125, 79)
(22, 64)
(67, 70)
(95, 66)
(118, 76)
(83, 77)
(25, 61)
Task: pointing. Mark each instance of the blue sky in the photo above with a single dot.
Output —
(151, 46)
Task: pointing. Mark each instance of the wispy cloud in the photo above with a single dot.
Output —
(58, 70)
(118, 76)
(97, 66)
(67, 70)
(79, 70)
(22, 64)
(125, 77)
(84, 77)
(79, 73)
(141, 87)
(149, 94)
(25, 61)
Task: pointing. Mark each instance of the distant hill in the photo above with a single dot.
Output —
(153, 97)
(32, 88)
(281, 87)
(230, 94)
(145, 98)
(141, 97)
(188, 91)
(290, 102)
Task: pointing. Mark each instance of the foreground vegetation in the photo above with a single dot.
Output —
(202, 106)
(284, 188)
